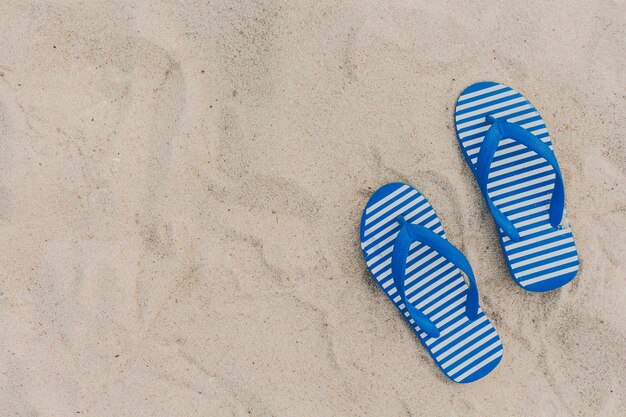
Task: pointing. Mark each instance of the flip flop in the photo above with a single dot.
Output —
(506, 143)
(407, 252)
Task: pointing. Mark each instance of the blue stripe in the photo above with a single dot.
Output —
(489, 104)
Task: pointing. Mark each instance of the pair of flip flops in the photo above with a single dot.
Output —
(506, 143)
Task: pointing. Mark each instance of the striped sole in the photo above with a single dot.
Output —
(465, 350)
(520, 184)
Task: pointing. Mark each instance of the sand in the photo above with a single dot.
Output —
(181, 185)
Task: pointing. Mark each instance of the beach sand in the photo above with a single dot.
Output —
(181, 185)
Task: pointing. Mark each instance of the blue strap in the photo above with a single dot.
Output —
(410, 233)
(501, 129)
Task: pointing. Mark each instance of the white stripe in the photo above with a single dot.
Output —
(519, 196)
(467, 133)
(528, 212)
(503, 151)
(518, 167)
(479, 140)
(461, 322)
(382, 243)
(511, 159)
(518, 177)
(527, 242)
(436, 230)
(489, 109)
(497, 153)
(543, 267)
(541, 248)
(408, 259)
(445, 289)
(383, 276)
(429, 268)
(496, 115)
(392, 216)
(535, 123)
(452, 328)
(421, 261)
(385, 199)
(444, 300)
(536, 219)
(408, 278)
(382, 265)
(526, 203)
(479, 366)
(485, 100)
(447, 309)
(451, 317)
(400, 200)
(393, 225)
(523, 117)
(418, 252)
(423, 217)
(481, 92)
(533, 230)
(548, 255)
(379, 235)
(489, 348)
(459, 334)
(468, 349)
(432, 286)
(521, 185)
(549, 276)
(428, 279)
(448, 318)
(434, 318)
(380, 256)
(530, 231)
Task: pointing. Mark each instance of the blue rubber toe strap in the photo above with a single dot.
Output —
(410, 233)
(501, 129)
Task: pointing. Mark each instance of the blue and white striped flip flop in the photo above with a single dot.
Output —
(410, 258)
(506, 143)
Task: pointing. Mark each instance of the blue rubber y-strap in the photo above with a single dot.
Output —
(410, 233)
(501, 129)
